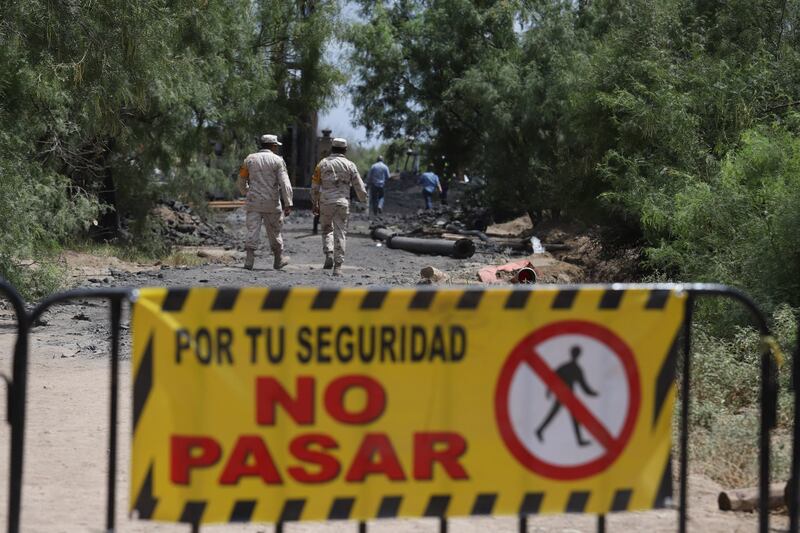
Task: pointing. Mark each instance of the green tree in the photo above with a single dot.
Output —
(406, 58)
(635, 114)
(110, 97)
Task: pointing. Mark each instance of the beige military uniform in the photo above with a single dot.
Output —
(263, 178)
(330, 190)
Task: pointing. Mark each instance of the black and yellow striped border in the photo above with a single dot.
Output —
(291, 510)
(275, 299)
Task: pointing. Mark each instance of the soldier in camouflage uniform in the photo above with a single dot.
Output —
(330, 195)
(265, 182)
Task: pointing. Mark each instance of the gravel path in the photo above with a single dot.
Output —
(67, 424)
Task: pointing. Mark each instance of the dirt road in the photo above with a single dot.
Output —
(66, 448)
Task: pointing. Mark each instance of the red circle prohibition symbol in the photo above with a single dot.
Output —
(525, 353)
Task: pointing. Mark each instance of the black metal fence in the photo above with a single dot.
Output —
(17, 394)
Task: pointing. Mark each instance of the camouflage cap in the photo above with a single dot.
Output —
(338, 142)
(270, 139)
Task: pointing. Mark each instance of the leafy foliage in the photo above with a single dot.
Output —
(409, 58)
(114, 102)
(672, 119)
(38, 210)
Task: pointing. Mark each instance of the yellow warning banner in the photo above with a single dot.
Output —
(274, 405)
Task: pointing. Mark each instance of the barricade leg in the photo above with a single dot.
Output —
(15, 415)
(768, 420)
(684, 433)
(769, 397)
(795, 476)
(116, 314)
(115, 297)
(17, 418)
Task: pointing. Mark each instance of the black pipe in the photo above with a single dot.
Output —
(460, 249)
(382, 234)
(469, 232)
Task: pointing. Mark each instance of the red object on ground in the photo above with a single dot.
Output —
(506, 273)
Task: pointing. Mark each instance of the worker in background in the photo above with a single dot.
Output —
(265, 182)
(430, 183)
(376, 181)
(445, 180)
(330, 197)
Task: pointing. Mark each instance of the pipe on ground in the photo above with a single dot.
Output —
(382, 234)
(458, 249)
(526, 275)
(468, 232)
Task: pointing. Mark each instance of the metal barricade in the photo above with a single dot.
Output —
(17, 394)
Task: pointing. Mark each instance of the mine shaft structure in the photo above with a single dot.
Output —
(302, 146)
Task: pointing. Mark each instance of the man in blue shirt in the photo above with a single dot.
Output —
(376, 181)
(430, 183)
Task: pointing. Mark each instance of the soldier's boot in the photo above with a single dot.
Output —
(337, 269)
(328, 262)
(280, 261)
(250, 259)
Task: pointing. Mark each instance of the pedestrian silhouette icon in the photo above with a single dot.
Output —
(568, 398)
(571, 374)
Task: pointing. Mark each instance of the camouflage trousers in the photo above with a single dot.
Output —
(273, 223)
(333, 219)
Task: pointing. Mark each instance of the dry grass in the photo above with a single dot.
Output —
(183, 259)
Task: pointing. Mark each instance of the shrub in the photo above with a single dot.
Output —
(740, 227)
(725, 410)
(39, 210)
